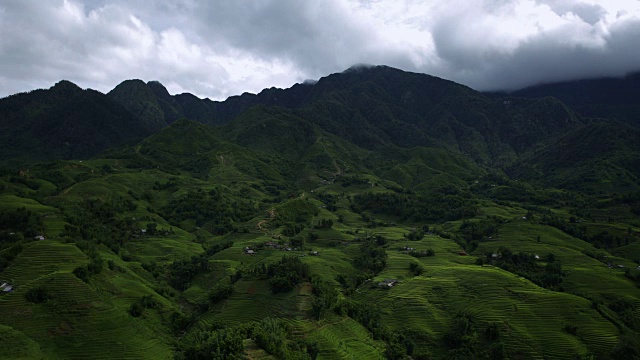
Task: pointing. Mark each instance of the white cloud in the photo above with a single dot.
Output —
(222, 48)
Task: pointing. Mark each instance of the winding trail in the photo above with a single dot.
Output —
(272, 215)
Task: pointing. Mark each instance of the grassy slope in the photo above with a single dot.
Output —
(91, 319)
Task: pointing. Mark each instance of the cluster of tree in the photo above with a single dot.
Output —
(172, 185)
(325, 297)
(216, 248)
(273, 335)
(298, 241)
(603, 239)
(146, 302)
(479, 230)
(416, 269)
(211, 210)
(180, 322)
(220, 292)
(528, 266)
(152, 230)
(329, 200)
(424, 253)
(371, 221)
(58, 178)
(94, 267)
(37, 295)
(437, 206)
(181, 272)
(608, 240)
(417, 233)
(628, 347)
(19, 220)
(570, 227)
(30, 183)
(297, 210)
(633, 275)
(631, 199)
(100, 222)
(466, 338)
(625, 309)
(399, 345)
(8, 255)
(372, 257)
(285, 274)
(350, 282)
(471, 233)
(599, 255)
(522, 192)
(324, 224)
(222, 343)
(366, 313)
(292, 229)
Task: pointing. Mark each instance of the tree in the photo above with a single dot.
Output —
(628, 348)
(82, 273)
(136, 309)
(152, 228)
(37, 295)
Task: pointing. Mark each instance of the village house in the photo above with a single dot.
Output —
(388, 283)
(5, 287)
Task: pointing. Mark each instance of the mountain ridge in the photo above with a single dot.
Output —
(372, 107)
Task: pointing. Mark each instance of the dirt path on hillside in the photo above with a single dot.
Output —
(272, 215)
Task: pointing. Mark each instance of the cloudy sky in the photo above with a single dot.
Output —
(219, 48)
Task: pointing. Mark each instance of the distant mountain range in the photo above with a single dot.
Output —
(556, 134)
(610, 98)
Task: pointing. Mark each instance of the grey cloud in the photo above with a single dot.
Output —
(316, 36)
(543, 59)
(590, 13)
(470, 56)
(225, 47)
(96, 45)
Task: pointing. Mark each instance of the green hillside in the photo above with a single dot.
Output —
(376, 214)
(63, 122)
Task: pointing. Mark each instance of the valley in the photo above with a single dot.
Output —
(373, 214)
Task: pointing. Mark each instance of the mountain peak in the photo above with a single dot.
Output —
(158, 89)
(359, 68)
(140, 99)
(65, 86)
(130, 84)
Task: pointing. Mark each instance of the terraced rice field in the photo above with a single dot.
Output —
(43, 258)
(345, 339)
(60, 324)
(532, 318)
